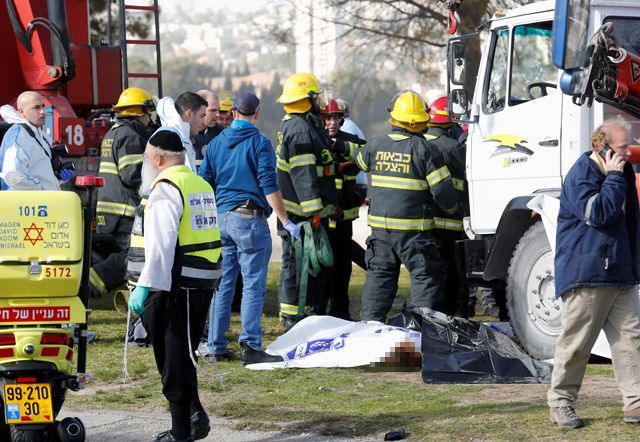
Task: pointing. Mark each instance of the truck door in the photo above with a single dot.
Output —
(514, 148)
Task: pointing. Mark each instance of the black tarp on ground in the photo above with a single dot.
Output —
(456, 350)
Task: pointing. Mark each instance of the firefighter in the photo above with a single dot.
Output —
(349, 202)
(225, 117)
(449, 226)
(120, 165)
(409, 180)
(306, 179)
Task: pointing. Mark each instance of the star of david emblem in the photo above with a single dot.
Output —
(33, 234)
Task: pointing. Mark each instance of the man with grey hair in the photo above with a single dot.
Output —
(211, 127)
(597, 271)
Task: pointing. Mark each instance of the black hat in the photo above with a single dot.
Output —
(168, 140)
(246, 103)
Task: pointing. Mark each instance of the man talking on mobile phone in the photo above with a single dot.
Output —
(597, 270)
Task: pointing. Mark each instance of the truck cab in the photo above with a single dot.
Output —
(524, 136)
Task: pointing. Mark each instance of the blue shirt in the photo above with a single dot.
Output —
(240, 164)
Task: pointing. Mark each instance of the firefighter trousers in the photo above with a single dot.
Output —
(386, 251)
(317, 288)
(456, 289)
(340, 239)
(109, 269)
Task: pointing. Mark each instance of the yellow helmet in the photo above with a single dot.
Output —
(409, 107)
(226, 104)
(132, 102)
(297, 87)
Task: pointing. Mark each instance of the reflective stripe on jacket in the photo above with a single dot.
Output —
(453, 154)
(305, 166)
(345, 150)
(121, 155)
(409, 181)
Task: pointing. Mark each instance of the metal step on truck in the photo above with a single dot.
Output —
(525, 134)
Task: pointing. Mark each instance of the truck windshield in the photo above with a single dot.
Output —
(533, 75)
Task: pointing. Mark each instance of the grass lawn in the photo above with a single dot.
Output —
(346, 402)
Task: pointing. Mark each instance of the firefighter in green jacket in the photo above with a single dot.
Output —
(408, 181)
(449, 226)
(120, 165)
(345, 146)
(305, 171)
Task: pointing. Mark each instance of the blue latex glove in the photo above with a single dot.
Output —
(67, 174)
(292, 228)
(137, 298)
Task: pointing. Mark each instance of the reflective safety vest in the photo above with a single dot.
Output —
(409, 182)
(197, 256)
(454, 156)
(135, 256)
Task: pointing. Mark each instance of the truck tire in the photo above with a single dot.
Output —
(534, 311)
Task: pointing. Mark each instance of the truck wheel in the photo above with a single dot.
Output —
(534, 311)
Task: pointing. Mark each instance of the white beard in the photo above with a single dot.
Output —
(149, 174)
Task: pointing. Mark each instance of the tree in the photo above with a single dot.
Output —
(138, 24)
(411, 31)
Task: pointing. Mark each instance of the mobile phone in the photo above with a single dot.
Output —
(603, 151)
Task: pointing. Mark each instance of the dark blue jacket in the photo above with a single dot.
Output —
(597, 241)
(240, 164)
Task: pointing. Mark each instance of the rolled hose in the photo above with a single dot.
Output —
(121, 301)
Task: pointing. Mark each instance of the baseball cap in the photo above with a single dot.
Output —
(246, 103)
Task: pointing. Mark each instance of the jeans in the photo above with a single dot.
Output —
(246, 248)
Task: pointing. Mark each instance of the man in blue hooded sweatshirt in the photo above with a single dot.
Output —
(240, 164)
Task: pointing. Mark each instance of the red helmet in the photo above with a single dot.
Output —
(333, 107)
(439, 111)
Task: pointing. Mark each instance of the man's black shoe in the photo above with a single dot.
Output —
(227, 355)
(287, 323)
(252, 356)
(168, 437)
(200, 425)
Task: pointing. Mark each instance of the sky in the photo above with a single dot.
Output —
(203, 5)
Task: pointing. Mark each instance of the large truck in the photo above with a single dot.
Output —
(524, 136)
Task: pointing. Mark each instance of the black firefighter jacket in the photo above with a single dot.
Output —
(121, 154)
(305, 166)
(408, 182)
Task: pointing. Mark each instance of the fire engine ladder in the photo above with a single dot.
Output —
(125, 42)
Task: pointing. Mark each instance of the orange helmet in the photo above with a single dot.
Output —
(333, 107)
(439, 111)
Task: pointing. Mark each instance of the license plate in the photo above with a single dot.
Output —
(27, 403)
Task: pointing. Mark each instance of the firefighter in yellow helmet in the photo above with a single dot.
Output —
(306, 178)
(225, 117)
(409, 180)
(121, 166)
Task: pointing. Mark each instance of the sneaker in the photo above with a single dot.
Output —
(200, 425)
(168, 437)
(565, 417)
(632, 416)
(252, 356)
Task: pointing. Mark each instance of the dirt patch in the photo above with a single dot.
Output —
(595, 388)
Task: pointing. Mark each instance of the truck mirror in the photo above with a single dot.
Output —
(459, 105)
(570, 34)
(456, 62)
